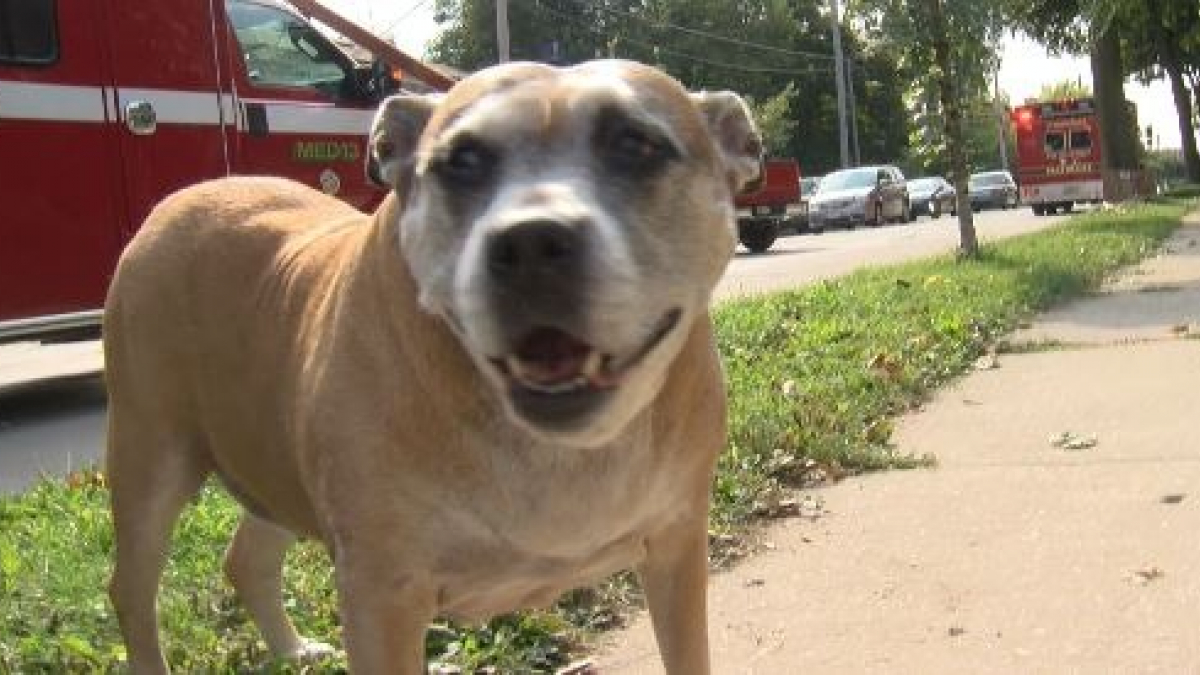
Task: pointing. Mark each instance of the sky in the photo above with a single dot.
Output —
(1025, 65)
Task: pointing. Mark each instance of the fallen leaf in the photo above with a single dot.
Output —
(1145, 575)
(885, 365)
(987, 362)
(789, 388)
(1069, 440)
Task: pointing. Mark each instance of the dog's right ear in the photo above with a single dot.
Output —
(737, 138)
(394, 134)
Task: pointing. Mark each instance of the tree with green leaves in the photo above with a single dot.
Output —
(947, 49)
(759, 48)
(776, 121)
(1163, 37)
(1064, 89)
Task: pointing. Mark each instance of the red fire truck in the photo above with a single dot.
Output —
(106, 106)
(1058, 154)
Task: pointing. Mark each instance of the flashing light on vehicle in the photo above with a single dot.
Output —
(1024, 117)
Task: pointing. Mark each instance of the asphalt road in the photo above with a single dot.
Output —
(800, 259)
(53, 426)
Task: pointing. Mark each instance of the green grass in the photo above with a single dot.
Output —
(815, 377)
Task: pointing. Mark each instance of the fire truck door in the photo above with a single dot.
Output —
(171, 114)
(59, 232)
(302, 112)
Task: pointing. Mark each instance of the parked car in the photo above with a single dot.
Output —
(868, 195)
(993, 189)
(808, 186)
(932, 196)
(798, 214)
(762, 213)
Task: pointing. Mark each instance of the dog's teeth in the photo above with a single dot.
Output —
(560, 388)
(515, 368)
(591, 367)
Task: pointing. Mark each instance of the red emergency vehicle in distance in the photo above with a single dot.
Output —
(1058, 154)
(107, 106)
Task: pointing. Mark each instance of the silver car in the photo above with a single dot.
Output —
(993, 189)
(868, 195)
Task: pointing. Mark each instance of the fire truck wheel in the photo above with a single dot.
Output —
(1038, 210)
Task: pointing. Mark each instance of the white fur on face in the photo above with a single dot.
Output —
(642, 263)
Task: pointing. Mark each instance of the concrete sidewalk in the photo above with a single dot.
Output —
(1014, 554)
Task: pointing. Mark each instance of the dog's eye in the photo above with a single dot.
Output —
(635, 151)
(468, 162)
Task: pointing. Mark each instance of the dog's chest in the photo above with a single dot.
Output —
(549, 525)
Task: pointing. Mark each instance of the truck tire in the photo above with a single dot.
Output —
(1039, 210)
(757, 235)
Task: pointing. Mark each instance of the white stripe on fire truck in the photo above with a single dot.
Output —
(299, 118)
(58, 102)
(176, 107)
(61, 102)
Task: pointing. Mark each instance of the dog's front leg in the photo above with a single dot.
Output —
(385, 612)
(675, 578)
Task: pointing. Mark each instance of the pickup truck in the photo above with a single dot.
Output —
(763, 213)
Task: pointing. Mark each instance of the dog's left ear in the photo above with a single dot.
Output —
(394, 134)
(737, 139)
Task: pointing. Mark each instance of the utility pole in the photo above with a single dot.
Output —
(840, 75)
(856, 155)
(502, 30)
(1001, 118)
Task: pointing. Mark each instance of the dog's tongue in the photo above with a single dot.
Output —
(551, 356)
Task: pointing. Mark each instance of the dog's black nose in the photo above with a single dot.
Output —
(534, 250)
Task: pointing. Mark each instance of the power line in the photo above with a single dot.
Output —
(410, 12)
(712, 36)
(683, 55)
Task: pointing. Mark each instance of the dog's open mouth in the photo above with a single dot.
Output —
(550, 362)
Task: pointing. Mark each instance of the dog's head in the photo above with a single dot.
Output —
(569, 225)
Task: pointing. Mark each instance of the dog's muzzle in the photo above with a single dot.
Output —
(558, 381)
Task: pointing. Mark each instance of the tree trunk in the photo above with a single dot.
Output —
(1118, 140)
(952, 116)
(1183, 110)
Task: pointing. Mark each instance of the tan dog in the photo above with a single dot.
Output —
(501, 386)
